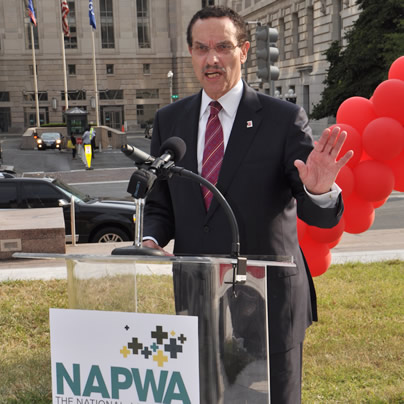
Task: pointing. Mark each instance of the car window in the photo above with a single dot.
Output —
(72, 191)
(40, 195)
(8, 195)
(50, 136)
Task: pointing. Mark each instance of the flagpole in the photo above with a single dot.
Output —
(65, 32)
(38, 124)
(64, 71)
(95, 81)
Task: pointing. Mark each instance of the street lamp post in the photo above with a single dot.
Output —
(170, 75)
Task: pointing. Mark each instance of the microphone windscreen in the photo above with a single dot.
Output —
(176, 146)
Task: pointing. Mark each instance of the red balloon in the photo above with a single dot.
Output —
(318, 256)
(396, 70)
(356, 112)
(359, 215)
(397, 166)
(377, 204)
(352, 142)
(383, 138)
(334, 243)
(365, 156)
(374, 181)
(345, 180)
(326, 235)
(388, 99)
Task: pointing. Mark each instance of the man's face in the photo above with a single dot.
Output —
(216, 56)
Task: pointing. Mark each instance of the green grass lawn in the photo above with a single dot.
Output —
(354, 354)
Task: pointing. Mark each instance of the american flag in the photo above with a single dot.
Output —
(31, 12)
(65, 24)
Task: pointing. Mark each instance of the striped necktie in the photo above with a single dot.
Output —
(213, 152)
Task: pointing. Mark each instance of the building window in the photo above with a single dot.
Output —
(310, 30)
(5, 119)
(110, 69)
(147, 93)
(30, 116)
(145, 113)
(71, 69)
(337, 8)
(306, 98)
(30, 96)
(206, 3)
(4, 96)
(28, 36)
(111, 94)
(107, 24)
(146, 68)
(143, 23)
(71, 41)
(295, 35)
(31, 69)
(74, 95)
(248, 64)
(281, 39)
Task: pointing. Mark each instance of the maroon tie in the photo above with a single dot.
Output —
(214, 150)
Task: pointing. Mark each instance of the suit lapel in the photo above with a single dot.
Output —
(245, 127)
(187, 129)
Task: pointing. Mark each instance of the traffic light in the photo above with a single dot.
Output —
(174, 96)
(267, 53)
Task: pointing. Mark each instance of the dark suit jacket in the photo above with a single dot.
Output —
(262, 186)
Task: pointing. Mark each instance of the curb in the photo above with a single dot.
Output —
(58, 271)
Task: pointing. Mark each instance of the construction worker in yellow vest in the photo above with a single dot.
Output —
(87, 149)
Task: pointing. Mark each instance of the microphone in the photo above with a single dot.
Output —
(173, 149)
(149, 168)
(137, 155)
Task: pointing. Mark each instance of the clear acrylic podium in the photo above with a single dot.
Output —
(232, 318)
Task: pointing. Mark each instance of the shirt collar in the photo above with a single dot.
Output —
(229, 101)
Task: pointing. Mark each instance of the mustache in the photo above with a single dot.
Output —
(214, 67)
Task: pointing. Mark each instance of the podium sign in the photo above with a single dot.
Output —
(125, 358)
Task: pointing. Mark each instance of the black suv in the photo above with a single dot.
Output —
(97, 221)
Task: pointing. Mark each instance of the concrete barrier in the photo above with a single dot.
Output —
(32, 230)
(107, 137)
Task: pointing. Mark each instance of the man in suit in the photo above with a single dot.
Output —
(270, 172)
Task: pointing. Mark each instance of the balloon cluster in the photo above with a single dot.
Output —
(375, 132)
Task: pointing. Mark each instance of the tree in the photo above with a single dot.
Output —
(374, 42)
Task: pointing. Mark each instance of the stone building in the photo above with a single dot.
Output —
(141, 56)
(306, 29)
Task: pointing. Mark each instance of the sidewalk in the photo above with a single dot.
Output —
(370, 246)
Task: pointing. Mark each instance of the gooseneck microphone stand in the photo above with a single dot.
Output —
(239, 275)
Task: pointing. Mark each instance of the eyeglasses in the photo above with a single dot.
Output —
(220, 48)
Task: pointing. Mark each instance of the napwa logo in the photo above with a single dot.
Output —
(161, 347)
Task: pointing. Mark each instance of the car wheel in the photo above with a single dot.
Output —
(110, 235)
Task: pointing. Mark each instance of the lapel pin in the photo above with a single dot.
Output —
(249, 124)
